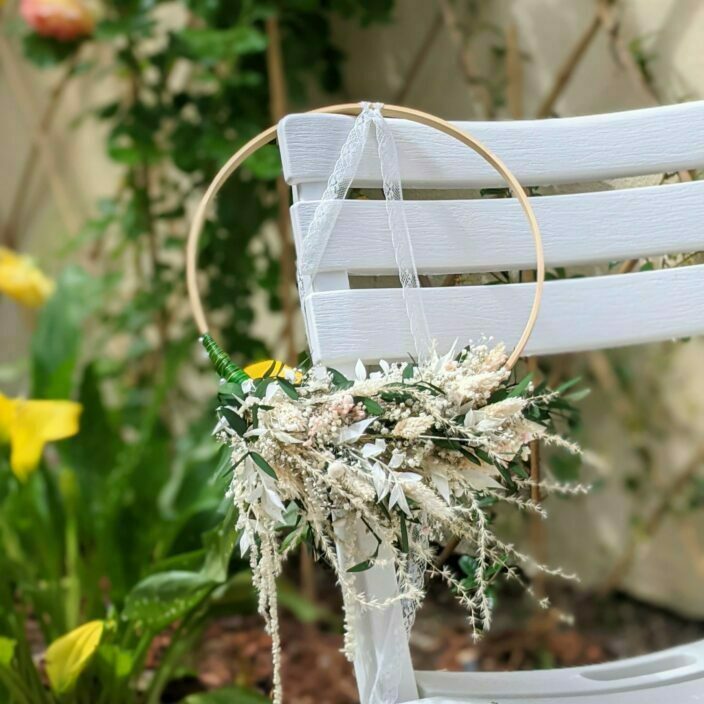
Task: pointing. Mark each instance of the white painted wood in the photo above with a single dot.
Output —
(455, 236)
(564, 150)
(676, 671)
(451, 236)
(576, 315)
(378, 630)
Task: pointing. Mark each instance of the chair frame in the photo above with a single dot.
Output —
(453, 236)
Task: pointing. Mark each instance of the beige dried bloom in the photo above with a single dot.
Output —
(413, 427)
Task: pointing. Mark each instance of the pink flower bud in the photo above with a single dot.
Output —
(64, 20)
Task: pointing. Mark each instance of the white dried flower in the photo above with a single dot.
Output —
(413, 427)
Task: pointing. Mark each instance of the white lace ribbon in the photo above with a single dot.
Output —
(326, 214)
(378, 662)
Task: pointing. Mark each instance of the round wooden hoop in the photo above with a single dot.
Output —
(354, 109)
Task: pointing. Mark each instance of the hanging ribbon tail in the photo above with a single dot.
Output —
(400, 234)
(378, 667)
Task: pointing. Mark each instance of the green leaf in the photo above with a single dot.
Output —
(46, 52)
(288, 388)
(576, 396)
(483, 455)
(395, 396)
(469, 455)
(218, 44)
(521, 386)
(339, 380)
(361, 566)
(404, 533)
(568, 384)
(115, 661)
(506, 475)
(468, 565)
(161, 599)
(519, 470)
(227, 695)
(56, 341)
(294, 538)
(260, 386)
(370, 405)
(263, 464)
(219, 544)
(408, 371)
(427, 386)
(305, 610)
(231, 394)
(565, 466)
(265, 164)
(7, 650)
(235, 421)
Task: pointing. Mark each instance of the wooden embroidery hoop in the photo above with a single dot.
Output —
(392, 111)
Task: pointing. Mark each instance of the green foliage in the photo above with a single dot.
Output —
(227, 695)
(163, 598)
(44, 52)
(125, 522)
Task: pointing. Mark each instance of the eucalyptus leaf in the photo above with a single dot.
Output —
(521, 386)
(263, 464)
(235, 421)
(361, 566)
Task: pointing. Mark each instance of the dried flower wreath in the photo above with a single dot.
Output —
(379, 469)
(416, 453)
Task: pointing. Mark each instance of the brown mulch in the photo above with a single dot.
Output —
(314, 670)
(236, 649)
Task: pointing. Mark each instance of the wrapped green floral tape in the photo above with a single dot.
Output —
(224, 366)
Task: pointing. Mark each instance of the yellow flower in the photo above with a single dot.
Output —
(29, 425)
(22, 280)
(259, 369)
(68, 656)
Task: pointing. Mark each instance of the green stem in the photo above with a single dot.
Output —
(12, 682)
(29, 676)
(140, 652)
(73, 583)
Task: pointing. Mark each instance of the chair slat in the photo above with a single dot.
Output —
(451, 236)
(576, 315)
(565, 150)
(607, 683)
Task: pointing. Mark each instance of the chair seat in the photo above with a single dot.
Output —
(673, 676)
(678, 693)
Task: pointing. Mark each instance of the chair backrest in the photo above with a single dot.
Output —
(462, 235)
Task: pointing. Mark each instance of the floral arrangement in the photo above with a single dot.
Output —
(407, 456)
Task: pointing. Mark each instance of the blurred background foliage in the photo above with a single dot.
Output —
(125, 522)
(116, 550)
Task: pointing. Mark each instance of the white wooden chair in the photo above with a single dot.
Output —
(454, 236)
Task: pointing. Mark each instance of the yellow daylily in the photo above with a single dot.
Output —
(281, 370)
(22, 280)
(28, 425)
(68, 656)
